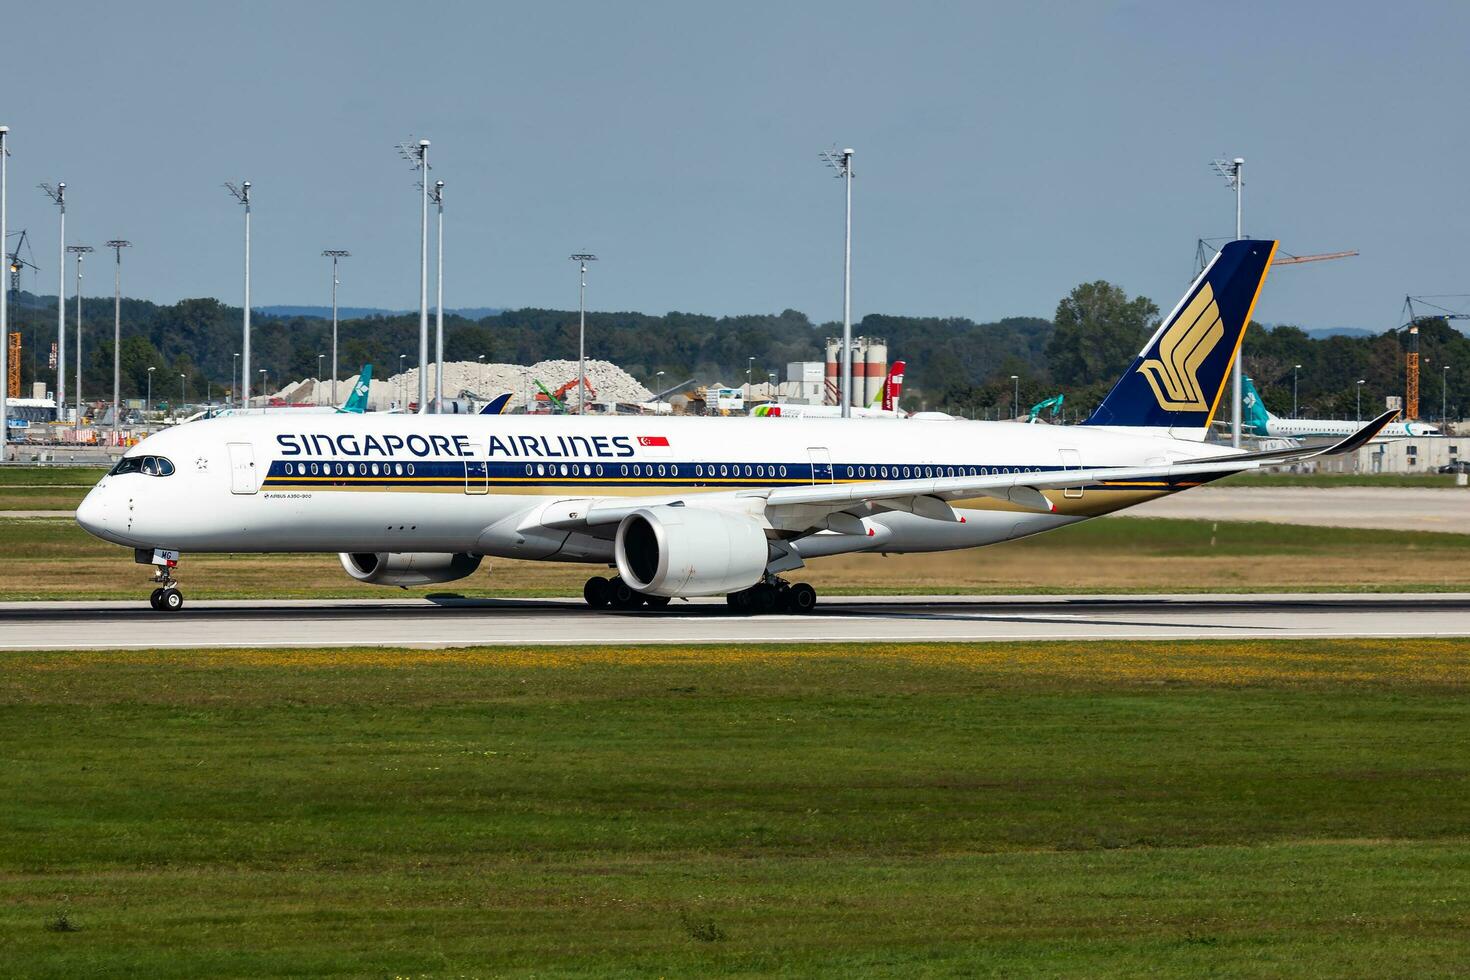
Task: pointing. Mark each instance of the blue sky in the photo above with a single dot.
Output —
(1005, 152)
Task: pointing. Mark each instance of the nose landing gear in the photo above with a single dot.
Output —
(167, 597)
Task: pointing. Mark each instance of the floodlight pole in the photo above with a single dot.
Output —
(334, 254)
(1444, 394)
(1234, 173)
(80, 251)
(423, 164)
(58, 195)
(1294, 369)
(439, 304)
(842, 163)
(1016, 398)
(1360, 399)
(583, 258)
(4, 310)
(242, 194)
(117, 245)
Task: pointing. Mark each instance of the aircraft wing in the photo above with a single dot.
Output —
(808, 507)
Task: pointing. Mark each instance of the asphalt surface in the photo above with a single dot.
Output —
(450, 621)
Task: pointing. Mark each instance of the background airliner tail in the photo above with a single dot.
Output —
(888, 395)
(357, 399)
(1255, 415)
(1177, 381)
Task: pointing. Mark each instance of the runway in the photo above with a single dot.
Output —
(451, 622)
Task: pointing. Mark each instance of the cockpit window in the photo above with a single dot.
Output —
(147, 465)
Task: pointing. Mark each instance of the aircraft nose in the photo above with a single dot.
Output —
(92, 513)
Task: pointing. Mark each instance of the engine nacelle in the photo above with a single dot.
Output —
(408, 567)
(688, 551)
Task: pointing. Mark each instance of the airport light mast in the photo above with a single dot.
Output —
(242, 194)
(335, 254)
(58, 196)
(439, 303)
(418, 155)
(117, 245)
(842, 163)
(80, 251)
(582, 258)
(1233, 172)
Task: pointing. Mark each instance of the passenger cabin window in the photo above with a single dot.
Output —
(147, 465)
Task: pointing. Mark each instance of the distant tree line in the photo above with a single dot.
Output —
(954, 363)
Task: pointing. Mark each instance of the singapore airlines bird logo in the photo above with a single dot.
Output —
(1174, 373)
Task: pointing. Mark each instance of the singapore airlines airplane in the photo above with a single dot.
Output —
(682, 506)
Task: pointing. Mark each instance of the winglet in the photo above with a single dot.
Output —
(1352, 443)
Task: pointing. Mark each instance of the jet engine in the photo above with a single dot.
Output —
(408, 567)
(688, 551)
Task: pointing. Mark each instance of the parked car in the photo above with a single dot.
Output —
(1457, 466)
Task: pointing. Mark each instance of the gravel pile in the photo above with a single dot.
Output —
(483, 381)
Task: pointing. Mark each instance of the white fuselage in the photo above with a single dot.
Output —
(1326, 428)
(480, 484)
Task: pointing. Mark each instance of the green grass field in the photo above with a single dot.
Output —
(55, 559)
(1290, 809)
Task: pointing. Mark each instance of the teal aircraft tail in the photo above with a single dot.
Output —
(1253, 408)
(357, 400)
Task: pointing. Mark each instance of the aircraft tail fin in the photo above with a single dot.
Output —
(1254, 413)
(357, 399)
(1177, 380)
(892, 387)
(496, 405)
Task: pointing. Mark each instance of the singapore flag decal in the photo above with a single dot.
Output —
(654, 445)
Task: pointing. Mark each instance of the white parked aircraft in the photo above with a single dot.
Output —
(682, 506)
(1260, 421)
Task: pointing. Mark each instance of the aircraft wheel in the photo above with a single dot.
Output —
(656, 601)
(739, 601)
(624, 597)
(763, 598)
(156, 600)
(172, 601)
(597, 592)
(801, 598)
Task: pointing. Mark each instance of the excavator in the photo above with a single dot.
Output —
(558, 404)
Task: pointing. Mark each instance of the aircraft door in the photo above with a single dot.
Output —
(1071, 460)
(242, 468)
(476, 477)
(821, 464)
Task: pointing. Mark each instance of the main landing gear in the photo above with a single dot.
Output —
(772, 595)
(602, 593)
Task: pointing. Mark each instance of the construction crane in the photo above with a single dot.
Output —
(1411, 357)
(1206, 247)
(12, 376)
(1285, 258)
(15, 263)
